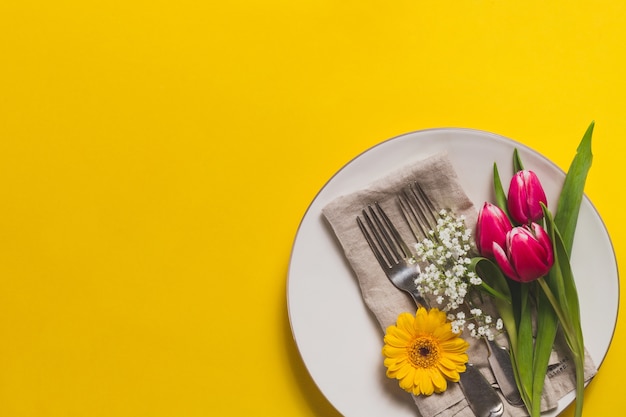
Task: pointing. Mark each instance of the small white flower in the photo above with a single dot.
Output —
(499, 324)
(445, 256)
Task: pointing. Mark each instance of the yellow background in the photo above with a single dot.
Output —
(156, 158)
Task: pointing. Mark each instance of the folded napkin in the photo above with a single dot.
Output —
(437, 177)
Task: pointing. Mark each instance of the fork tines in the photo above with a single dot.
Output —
(418, 210)
(382, 236)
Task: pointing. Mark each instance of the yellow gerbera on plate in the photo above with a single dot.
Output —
(423, 353)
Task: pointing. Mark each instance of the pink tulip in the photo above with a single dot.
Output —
(528, 253)
(492, 226)
(524, 197)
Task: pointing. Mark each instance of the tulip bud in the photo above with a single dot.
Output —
(492, 226)
(525, 196)
(528, 253)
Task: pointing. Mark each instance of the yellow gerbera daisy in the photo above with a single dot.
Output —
(423, 353)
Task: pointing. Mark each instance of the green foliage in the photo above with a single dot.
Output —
(499, 191)
(573, 188)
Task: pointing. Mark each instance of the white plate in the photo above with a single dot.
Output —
(338, 338)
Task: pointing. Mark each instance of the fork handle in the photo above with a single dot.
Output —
(419, 300)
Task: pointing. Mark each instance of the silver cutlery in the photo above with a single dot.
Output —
(421, 215)
(393, 256)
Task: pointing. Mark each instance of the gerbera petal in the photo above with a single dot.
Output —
(457, 360)
(438, 316)
(451, 374)
(399, 333)
(456, 345)
(446, 362)
(405, 384)
(420, 320)
(395, 340)
(439, 382)
(406, 381)
(417, 387)
(425, 381)
(403, 371)
(434, 320)
(444, 332)
(394, 352)
(393, 364)
(406, 323)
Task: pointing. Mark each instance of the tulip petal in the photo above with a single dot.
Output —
(503, 262)
(544, 240)
(525, 197)
(492, 226)
(516, 199)
(527, 256)
(535, 196)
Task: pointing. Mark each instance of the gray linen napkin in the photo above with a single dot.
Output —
(437, 177)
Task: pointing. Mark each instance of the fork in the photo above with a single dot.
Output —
(391, 252)
(421, 215)
(393, 256)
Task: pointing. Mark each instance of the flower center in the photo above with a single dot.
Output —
(423, 352)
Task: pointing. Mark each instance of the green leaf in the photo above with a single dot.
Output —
(520, 386)
(555, 277)
(547, 317)
(573, 188)
(494, 281)
(560, 289)
(568, 298)
(524, 348)
(517, 162)
(571, 294)
(547, 326)
(499, 193)
(494, 293)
